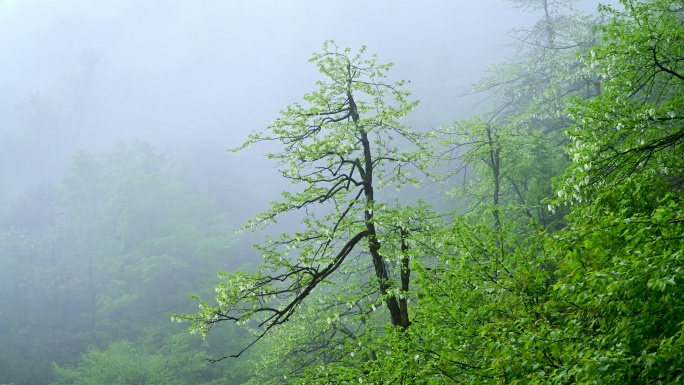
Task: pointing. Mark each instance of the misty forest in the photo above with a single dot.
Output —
(386, 192)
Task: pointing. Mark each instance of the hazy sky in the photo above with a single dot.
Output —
(180, 72)
(202, 64)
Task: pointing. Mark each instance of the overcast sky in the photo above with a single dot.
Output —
(179, 72)
(205, 63)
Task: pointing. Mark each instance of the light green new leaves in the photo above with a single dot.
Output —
(634, 126)
(339, 147)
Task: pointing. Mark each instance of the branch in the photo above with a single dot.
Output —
(280, 316)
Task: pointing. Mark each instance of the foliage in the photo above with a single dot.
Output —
(509, 153)
(634, 127)
(146, 242)
(159, 356)
(597, 301)
(124, 362)
(621, 297)
(622, 270)
(340, 150)
(482, 314)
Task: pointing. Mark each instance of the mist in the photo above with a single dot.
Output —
(98, 98)
(177, 73)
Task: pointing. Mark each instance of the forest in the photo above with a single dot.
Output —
(537, 240)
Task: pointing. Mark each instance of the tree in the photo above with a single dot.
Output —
(611, 312)
(634, 127)
(138, 230)
(81, 84)
(513, 149)
(340, 149)
(599, 299)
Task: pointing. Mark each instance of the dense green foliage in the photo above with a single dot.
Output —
(622, 269)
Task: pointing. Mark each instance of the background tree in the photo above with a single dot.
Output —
(81, 84)
(608, 308)
(512, 150)
(125, 362)
(101, 257)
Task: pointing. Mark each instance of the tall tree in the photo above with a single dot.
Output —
(81, 84)
(340, 148)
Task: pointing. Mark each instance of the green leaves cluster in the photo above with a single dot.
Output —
(635, 126)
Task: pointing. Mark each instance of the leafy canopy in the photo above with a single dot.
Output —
(340, 148)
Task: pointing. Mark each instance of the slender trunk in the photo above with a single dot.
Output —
(398, 314)
(494, 158)
(550, 32)
(405, 275)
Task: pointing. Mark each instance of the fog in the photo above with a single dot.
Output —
(192, 79)
(180, 73)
